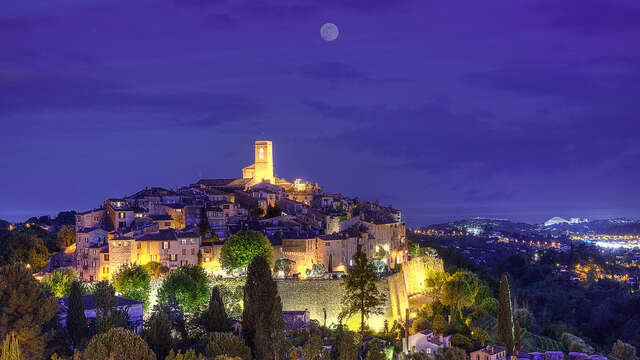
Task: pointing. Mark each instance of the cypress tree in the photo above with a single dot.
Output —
(505, 316)
(215, 319)
(518, 341)
(76, 320)
(262, 324)
(10, 348)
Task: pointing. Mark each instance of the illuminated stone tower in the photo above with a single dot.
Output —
(262, 169)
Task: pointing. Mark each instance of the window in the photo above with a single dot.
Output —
(106, 258)
(178, 210)
(91, 278)
(93, 264)
(193, 251)
(207, 250)
(139, 245)
(95, 252)
(120, 215)
(122, 224)
(207, 259)
(85, 263)
(174, 257)
(183, 241)
(184, 251)
(167, 223)
(165, 245)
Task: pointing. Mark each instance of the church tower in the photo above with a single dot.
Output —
(262, 169)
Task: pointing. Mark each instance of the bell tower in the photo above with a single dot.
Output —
(264, 162)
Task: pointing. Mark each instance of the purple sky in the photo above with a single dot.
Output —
(444, 109)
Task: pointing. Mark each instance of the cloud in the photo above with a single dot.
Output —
(333, 71)
(25, 92)
(592, 17)
(433, 138)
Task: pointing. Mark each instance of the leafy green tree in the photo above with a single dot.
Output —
(461, 341)
(10, 348)
(156, 331)
(189, 284)
(284, 265)
(440, 325)
(189, 355)
(58, 283)
(484, 292)
(118, 344)
(23, 247)
(459, 292)
(26, 310)
(505, 316)
(490, 305)
(242, 247)
(451, 353)
(133, 281)
(434, 282)
(175, 314)
(313, 349)
(225, 344)
(479, 336)
(375, 351)
(156, 270)
(623, 351)
(345, 347)
(361, 294)
(66, 236)
(76, 322)
(262, 324)
(420, 324)
(215, 319)
(108, 315)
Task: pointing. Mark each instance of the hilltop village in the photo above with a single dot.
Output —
(317, 232)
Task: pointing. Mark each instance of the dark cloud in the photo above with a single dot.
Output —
(337, 71)
(24, 92)
(592, 17)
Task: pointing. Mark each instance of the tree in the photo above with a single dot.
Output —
(76, 322)
(256, 212)
(440, 325)
(434, 281)
(623, 351)
(505, 317)
(361, 294)
(459, 291)
(517, 339)
(284, 265)
(66, 236)
(58, 283)
(23, 247)
(490, 305)
(262, 324)
(204, 223)
(375, 351)
(215, 319)
(26, 310)
(451, 353)
(420, 324)
(225, 344)
(175, 314)
(108, 315)
(118, 344)
(133, 281)
(345, 348)
(10, 348)
(189, 355)
(156, 270)
(313, 349)
(156, 331)
(479, 336)
(189, 284)
(242, 247)
(461, 341)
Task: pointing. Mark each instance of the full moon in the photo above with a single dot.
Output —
(329, 31)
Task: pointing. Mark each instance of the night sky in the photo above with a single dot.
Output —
(445, 109)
